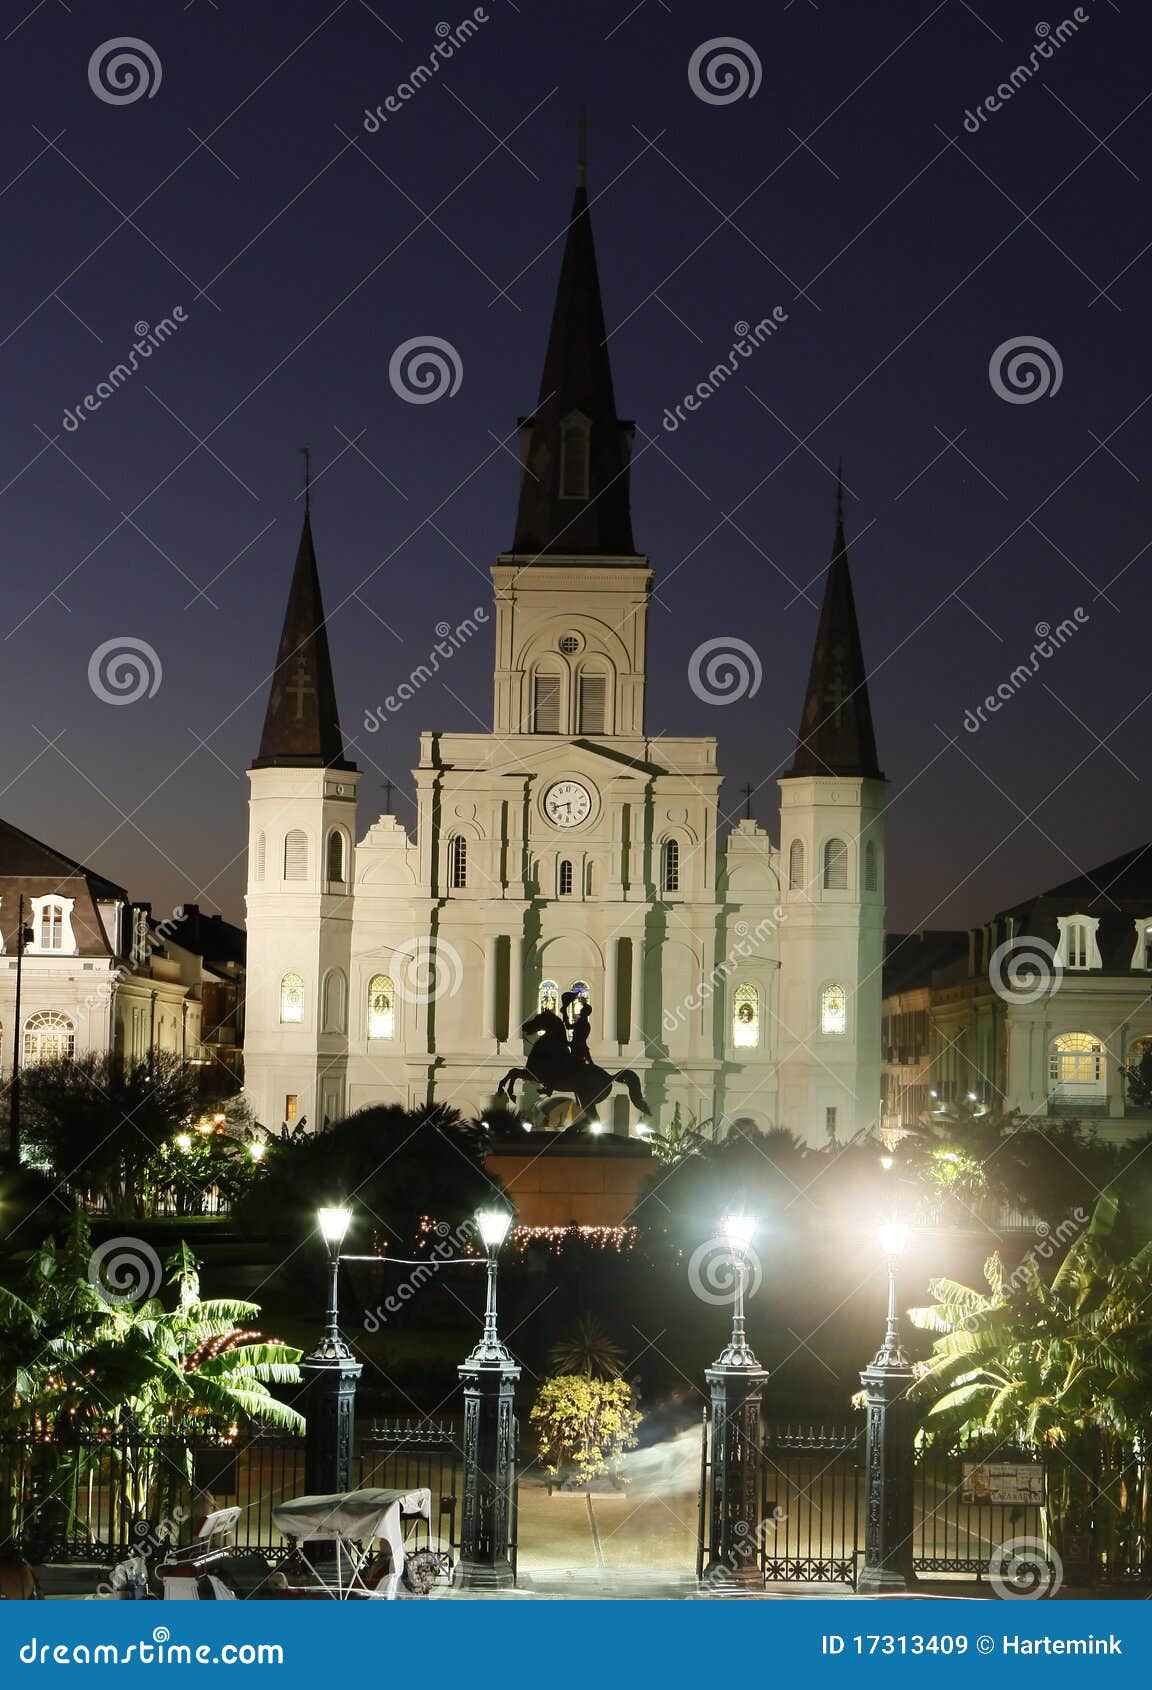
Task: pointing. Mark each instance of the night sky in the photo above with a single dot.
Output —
(302, 250)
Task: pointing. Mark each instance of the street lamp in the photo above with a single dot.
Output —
(330, 1372)
(736, 1384)
(888, 1557)
(488, 1378)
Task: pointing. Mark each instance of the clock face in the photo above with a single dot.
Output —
(567, 803)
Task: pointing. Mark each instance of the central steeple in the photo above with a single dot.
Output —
(575, 451)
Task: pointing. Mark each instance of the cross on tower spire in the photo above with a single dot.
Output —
(582, 126)
(306, 452)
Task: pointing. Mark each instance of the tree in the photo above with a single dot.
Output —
(97, 1121)
(394, 1167)
(1065, 1363)
(585, 1425)
(588, 1351)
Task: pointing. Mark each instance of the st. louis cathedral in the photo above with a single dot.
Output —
(570, 849)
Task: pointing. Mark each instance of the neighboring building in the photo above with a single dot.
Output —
(1047, 1003)
(911, 961)
(99, 974)
(570, 848)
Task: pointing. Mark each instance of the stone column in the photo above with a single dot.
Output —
(611, 1031)
(491, 979)
(636, 1021)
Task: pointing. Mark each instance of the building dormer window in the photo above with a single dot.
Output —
(1078, 948)
(574, 457)
(1142, 955)
(51, 925)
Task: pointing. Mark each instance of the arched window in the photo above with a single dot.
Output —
(336, 856)
(48, 1037)
(381, 1007)
(260, 857)
(296, 855)
(1076, 1069)
(836, 866)
(870, 880)
(746, 1017)
(593, 697)
(335, 1002)
(670, 866)
(545, 703)
(50, 927)
(292, 999)
(833, 1010)
(548, 997)
(458, 861)
(564, 879)
(574, 458)
(579, 989)
(796, 866)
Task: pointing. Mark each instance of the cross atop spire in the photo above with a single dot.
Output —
(306, 452)
(836, 734)
(582, 126)
(302, 723)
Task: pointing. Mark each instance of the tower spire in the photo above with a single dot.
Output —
(836, 734)
(302, 723)
(575, 450)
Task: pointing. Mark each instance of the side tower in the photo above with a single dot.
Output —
(302, 821)
(832, 877)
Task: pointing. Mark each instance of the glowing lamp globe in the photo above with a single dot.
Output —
(739, 1230)
(334, 1223)
(893, 1238)
(493, 1226)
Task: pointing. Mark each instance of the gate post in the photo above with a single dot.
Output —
(330, 1373)
(736, 1385)
(488, 1377)
(889, 1457)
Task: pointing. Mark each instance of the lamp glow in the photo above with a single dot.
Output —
(893, 1238)
(256, 1151)
(739, 1230)
(183, 1141)
(493, 1226)
(886, 1163)
(334, 1223)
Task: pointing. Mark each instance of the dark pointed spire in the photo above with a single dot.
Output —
(574, 499)
(836, 734)
(302, 724)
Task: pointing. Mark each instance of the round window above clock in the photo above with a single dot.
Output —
(567, 803)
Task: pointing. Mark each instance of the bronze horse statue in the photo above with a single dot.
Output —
(553, 1065)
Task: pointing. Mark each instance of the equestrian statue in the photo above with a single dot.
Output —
(559, 1061)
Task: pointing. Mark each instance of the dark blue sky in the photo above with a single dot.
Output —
(903, 249)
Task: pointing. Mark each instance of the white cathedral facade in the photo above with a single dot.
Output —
(570, 848)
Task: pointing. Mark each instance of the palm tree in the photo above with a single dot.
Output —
(1065, 1365)
(589, 1351)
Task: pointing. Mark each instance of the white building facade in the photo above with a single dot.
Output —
(570, 848)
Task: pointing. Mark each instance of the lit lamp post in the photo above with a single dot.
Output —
(889, 1455)
(330, 1374)
(488, 1378)
(736, 1383)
